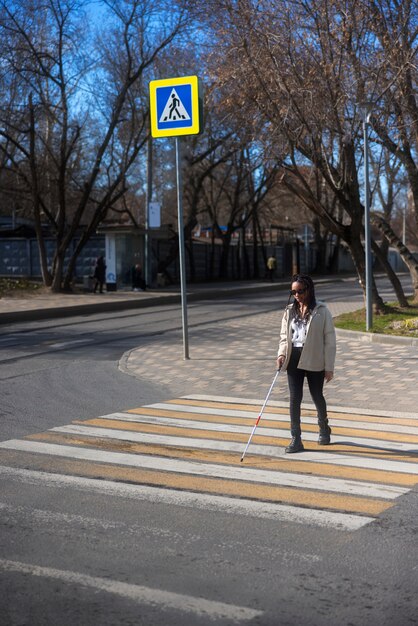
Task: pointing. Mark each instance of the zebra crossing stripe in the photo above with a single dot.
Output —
(272, 416)
(238, 473)
(193, 445)
(405, 434)
(117, 466)
(203, 501)
(400, 473)
(268, 445)
(349, 412)
(162, 418)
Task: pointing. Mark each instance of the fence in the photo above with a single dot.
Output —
(19, 257)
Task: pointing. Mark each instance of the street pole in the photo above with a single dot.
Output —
(367, 236)
(148, 198)
(181, 252)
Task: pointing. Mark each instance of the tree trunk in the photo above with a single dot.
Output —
(192, 264)
(396, 283)
(405, 254)
(256, 269)
(212, 253)
(58, 273)
(333, 263)
(46, 274)
(223, 263)
(263, 247)
(358, 256)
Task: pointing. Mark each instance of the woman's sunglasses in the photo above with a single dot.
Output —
(300, 292)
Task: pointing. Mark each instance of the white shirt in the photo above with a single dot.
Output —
(299, 328)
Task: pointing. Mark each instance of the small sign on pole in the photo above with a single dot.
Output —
(154, 215)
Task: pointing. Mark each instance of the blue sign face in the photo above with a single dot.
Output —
(174, 106)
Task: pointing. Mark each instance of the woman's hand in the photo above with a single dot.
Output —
(329, 376)
(280, 360)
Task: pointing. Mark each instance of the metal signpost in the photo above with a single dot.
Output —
(175, 107)
(367, 233)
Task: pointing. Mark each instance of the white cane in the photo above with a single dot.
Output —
(261, 413)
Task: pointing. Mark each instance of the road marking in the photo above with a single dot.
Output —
(185, 422)
(195, 445)
(239, 472)
(66, 344)
(252, 508)
(402, 473)
(165, 600)
(349, 412)
(275, 415)
(272, 446)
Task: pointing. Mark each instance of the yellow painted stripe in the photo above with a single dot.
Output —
(383, 453)
(251, 491)
(254, 408)
(220, 419)
(231, 458)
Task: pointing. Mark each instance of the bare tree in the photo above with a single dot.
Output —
(395, 114)
(79, 119)
(303, 67)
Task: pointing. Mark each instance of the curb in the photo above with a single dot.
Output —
(121, 305)
(377, 337)
(81, 309)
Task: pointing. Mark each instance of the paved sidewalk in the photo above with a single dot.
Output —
(237, 357)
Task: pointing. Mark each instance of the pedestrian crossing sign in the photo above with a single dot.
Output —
(175, 107)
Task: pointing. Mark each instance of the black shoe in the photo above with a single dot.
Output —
(324, 436)
(295, 445)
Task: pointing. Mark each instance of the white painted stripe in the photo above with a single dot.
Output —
(241, 473)
(232, 446)
(305, 405)
(377, 427)
(157, 495)
(155, 420)
(65, 344)
(138, 593)
(187, 408)
(42, 516)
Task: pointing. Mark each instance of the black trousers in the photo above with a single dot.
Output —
(295, 379)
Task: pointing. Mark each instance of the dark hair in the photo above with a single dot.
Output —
(307, 282)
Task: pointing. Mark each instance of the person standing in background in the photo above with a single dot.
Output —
(271, 266)
(99, 274)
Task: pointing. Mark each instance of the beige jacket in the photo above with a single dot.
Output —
(320, 346)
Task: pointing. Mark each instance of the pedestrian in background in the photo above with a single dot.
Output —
(99, 274)
(271, 266)
(137, 280)
(307, 348)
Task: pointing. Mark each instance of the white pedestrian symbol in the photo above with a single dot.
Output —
(174, 110)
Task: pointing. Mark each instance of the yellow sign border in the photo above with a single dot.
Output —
(194, 129)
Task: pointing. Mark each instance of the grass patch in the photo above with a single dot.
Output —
(397, 321)
(18, 286)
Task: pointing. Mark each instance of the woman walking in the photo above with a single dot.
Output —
(307, 349)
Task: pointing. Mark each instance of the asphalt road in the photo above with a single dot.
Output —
(75, 551)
